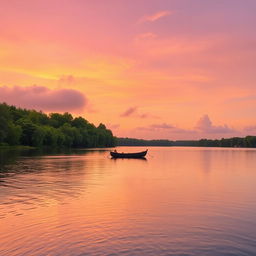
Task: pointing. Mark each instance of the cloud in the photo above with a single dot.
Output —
(205, 125)
(156, 16)
(145, 36)
(144, 115)
(250, 130)
(162, 126)
(133, 112)
(43, 98)
(203, 129)
(129, 112)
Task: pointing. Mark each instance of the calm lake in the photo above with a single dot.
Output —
(180, 201)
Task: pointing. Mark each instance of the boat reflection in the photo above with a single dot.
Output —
(120, 159)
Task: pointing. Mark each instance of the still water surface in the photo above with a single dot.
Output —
(180, 201)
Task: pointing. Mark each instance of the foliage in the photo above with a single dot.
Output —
(34, 128)
(248, 142)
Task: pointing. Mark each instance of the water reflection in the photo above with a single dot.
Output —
(31, 179)
(180, 201)
(129, 159)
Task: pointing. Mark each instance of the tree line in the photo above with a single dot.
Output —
(20, 126)
(246, 142)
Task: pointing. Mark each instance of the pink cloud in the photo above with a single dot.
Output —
(203, 129)
(129, 112)
(133, 112)
(162, 126)
(145, 36)
(250, 130)
(205, 125)
(155, 16)
(43, 98)
(144, 115)
(165, 128)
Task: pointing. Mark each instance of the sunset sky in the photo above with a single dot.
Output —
(167, 69)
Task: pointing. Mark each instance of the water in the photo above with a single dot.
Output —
(180, 201)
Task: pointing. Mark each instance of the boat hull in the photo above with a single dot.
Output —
(128, 155)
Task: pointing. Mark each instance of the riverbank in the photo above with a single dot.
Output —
(19, 147)
(235, 142)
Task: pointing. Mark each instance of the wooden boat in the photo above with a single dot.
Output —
(115, 154)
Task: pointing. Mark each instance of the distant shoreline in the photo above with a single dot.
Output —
(235, 142)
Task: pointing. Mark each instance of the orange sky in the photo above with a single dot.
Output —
(175, 69)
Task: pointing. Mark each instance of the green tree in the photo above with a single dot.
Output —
(28, 129)
(13, 134)
(35, 128)
(79, 122)
(38, 136)
(57, 120)
(4, 117)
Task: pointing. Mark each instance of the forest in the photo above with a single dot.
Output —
(20, 126)
(34, 128)
(246, 142)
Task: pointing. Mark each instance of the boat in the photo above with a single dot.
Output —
(115, 154)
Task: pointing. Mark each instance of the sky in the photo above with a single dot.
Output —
(151, 69)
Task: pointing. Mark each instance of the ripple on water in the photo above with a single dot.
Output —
(90, 205)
